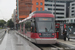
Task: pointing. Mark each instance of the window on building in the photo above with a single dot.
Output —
(60, 9)
(41, 3)
(57, 1)
(59, 13)
(60, 17)
(48, 4)
(60, 1)
(36, 3)
(72, 14)
(37, 8)
(74, 20)
(59, 5)
(41, 9)
(72, 7)
(47, 0)
(67, 21)
(49, 8)
(71, 20)
(73, 4)
(71, 26)
(72, 10)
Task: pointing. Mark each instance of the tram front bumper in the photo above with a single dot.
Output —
(46, 41)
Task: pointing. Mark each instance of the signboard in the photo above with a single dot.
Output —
(61, 27)
(45, 19)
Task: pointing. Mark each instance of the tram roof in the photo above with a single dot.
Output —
(30, 15)
(42, 12)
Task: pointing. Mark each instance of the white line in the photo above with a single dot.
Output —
(3, 44)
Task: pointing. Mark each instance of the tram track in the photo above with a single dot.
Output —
(49, 46)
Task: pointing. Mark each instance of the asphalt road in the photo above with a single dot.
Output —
(13, 41)
(2, 34)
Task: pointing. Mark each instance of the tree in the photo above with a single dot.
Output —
(10, 23)
(2, 22)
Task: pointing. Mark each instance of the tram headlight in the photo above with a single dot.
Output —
(52, 33)
(39, 33)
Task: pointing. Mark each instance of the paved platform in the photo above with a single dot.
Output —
(12, 41)
(69, 44)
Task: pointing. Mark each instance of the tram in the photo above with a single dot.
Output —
(39, 27)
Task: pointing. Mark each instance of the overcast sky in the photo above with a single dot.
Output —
(6, 9)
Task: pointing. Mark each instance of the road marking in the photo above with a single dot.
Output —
(3, 44)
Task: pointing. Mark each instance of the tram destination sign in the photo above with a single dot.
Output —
(45, 19)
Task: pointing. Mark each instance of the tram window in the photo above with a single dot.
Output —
(32, 27)
(22, 27)
(19, 26)
(32, 24)
(45, 26)
(28, 26)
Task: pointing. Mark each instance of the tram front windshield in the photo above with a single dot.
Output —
(45, 26)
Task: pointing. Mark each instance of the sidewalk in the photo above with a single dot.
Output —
(70, 44)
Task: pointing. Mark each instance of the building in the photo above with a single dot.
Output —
(14, 17)
(25, 7)
(72, 9)
(38, 5)
(62, 7)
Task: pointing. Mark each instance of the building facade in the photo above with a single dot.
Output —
(62, 7)
(25, 7)
(14, 18)
(38, 5)
(72, 9)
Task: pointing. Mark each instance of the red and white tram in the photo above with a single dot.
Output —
(39, 27)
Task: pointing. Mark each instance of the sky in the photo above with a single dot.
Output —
(6, 9)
